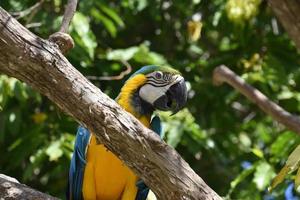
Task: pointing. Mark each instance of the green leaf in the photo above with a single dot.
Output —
(122, 54)
(144, 55)
(137, 5)
(109, 25)
(54, 151)
(175, 126)
(36, 161)
(175, 131)
(285, 94)
(282, 146)
(257, 152)
(112, 14)
(140, 54)
(291, 165)
(20, 91)
(279, 177)
(293, 161)
(86, 38)
(263, 175)
(241, 177)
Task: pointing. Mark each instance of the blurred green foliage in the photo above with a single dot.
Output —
(227, 140)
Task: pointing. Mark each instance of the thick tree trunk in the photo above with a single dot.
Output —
(41, 65)
(288, 13)
(11, 189)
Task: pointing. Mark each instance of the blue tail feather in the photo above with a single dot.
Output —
(78, 163)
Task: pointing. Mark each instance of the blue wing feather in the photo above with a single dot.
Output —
(143, 189)
(155, 125)
(77, 166)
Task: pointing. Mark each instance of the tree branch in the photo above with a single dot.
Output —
(109, 78)
(62, 38)
(35, 61)
(10, 188)
(68, 15)
(224, 74)
(28, 11)
(287, 11)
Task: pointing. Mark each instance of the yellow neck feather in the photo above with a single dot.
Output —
(126, 93)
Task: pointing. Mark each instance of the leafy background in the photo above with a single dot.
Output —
(227, 140)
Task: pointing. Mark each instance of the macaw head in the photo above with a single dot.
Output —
(162, 88)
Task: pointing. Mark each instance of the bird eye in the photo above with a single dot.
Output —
(158, 75)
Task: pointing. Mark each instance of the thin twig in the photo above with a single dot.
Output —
(61, 38)
(33, 25)
(68, 15)
(224, 74)
(28, 11)
(109, 78)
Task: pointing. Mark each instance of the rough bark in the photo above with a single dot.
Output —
(41, 65)
(224, 74)
(287, 11)
(10, 188)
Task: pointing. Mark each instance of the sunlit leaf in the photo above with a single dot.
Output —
(263, 175)
(140, 54)
(292, 164)
(54, 151)
(86, 37)
(285, 94)
(175, 126)
(257, 152)
(281, 147)
(240, 10)
(144, 55)
(122, 54)
(137, 5)
(293, 160)
(279, 177)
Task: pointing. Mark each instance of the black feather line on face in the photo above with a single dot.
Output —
(167, 76)
(157, 85)
(140, 106)
(155, 79)
(164, 81)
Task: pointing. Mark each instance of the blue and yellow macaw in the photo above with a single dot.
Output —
(95, 172)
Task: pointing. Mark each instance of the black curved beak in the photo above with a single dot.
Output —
(174, 99)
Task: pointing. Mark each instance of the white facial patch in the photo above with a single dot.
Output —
(151, 92)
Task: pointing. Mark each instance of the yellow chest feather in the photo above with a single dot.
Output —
(106, 177)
